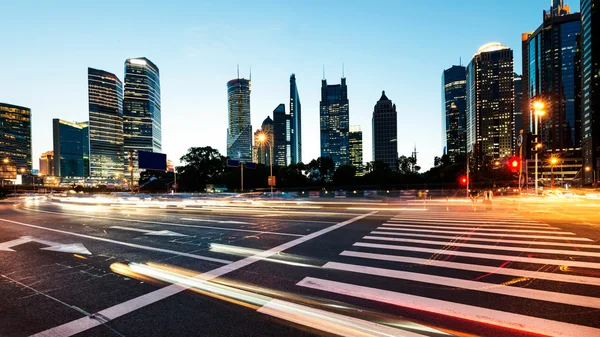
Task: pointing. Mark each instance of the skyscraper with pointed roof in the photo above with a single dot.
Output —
(385, 132)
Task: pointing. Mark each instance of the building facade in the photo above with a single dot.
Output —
(282, 154)
(552, 62)
(47, 164)
(355, 140)
(385, 132)
(261, 150)
(590, 87)
(454, 105)
(141, 110)
(71, 148)
(15, 141)
(105, 100)
(239, 132)
(295, 122)
(335, 122)
(490, 101)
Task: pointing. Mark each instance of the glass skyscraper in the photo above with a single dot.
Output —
(281, 136)
(296, 122)
(334, 122)
(15, 133)
(71, 148)
(490, 101)
(141, 109)
(105, 97)
(454, 106)
(590, 86)
(385, 132)
(355, 140)
(239, 133)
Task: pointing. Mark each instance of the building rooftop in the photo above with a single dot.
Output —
(490, 47)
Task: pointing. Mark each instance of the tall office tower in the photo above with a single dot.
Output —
(454, 105)
(239, 133)
(356, 149)
(550, 75)
(71, 148)
(590, 87)
(335, 122)
(141, 110)
(47, 164)
(385, 132)
(281, 137)
(296, 122)
(15, 141)
(105, 99)
(490, 101)
(518, 85)
(261, 150)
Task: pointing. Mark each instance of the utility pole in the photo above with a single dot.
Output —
(131, 169)
(468, 155)
(242, 180)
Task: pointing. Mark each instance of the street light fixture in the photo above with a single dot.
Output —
(538, 110)
(264, 139)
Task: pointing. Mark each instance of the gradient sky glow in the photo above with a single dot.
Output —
(399, 46)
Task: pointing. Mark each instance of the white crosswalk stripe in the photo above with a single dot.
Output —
(404, 249)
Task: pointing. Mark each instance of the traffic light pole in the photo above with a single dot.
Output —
(536, 154)
(468, 181)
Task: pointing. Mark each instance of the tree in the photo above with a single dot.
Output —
(321, 169)
(344, 175)
(201, 166)
(292, 175)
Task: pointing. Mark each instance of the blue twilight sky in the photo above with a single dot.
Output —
(399, 46)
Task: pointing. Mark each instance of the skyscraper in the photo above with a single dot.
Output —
(296, 122)
(105, 98)
(518, 85)
(454, 105)
(141, 109)
(356, 149)
(47, 164)
(15, 131)
(552, 65)
(71, 148)
(281, 136)
(385, 132)
(590, 86)
(335, 121)
(261, 151)
(239, 133)
(490, 101)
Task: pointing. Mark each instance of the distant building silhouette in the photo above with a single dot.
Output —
(47, 164)
(454, 100)
(356, 149)
(385, 132)
(295, 122)
(15, 128)
(239, 132)
(281, 136)
(71, 148)
(335, 122)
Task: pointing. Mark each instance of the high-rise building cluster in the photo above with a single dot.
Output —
(486, 106)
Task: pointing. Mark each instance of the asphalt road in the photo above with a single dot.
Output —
(358, 269)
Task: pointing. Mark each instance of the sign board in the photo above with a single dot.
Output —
(233, 163)
(369, 193)
(520, 140)
(313, 194)
(340, 194)
(250, 165)
(152, 161)
(271, 181)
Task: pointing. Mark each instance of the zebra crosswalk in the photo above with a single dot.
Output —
(493, 268)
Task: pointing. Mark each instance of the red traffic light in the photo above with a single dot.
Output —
(463, 180)
(515, 163)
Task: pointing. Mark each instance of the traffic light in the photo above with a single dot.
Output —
(514, 164)
(463, 180)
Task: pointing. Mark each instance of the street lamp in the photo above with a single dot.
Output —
(553, 162)
(538, 110)
(588, 169)
(264, 139)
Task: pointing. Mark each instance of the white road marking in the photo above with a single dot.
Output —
(168, 223)
(199, 257)
(6, 246)
(330, 322)
(492, 247)
(471, 224)
(148, 232)
(469, 220)
(86, 323)
(499, 240)
(487, 234)
(477, 228)
(478, 314)
(219, 221)
(568, 263)
(479, 268)
(71, 248)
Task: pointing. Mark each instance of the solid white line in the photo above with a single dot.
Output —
(220, 221)
(532, 294)
(330, 322)
(500, 240)
(568, 263)
(174, 252)
(167, 223)
(595, 281)
(478, 314)
(86, 323)
(487, 234)
(492, 247)
(477, 228)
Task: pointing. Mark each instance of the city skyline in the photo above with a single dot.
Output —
(188, 83)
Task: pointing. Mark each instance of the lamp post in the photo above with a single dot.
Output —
(538, 110)
(264, 139)
(588, 169)
(553, 161)
(5, 161)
